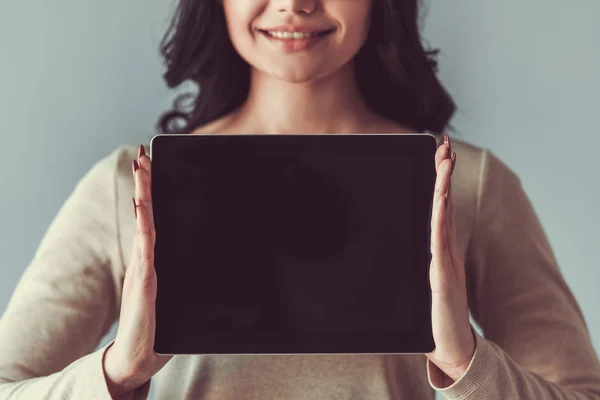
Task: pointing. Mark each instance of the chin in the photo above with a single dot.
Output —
(297, 75)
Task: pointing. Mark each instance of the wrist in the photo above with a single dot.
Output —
(442, 378)
(452, 374)
(120, 384)
(121, 380)
(110, 375)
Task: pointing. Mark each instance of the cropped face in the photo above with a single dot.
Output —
(297, 40)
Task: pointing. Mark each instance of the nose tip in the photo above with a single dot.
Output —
(297, 6)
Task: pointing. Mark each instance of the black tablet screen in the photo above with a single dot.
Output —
(264, 251)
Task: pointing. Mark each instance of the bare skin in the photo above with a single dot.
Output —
(230, 124)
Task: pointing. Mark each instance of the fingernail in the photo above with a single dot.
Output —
(446, 139)
(141, 151)
(134, 208)
(449, 145)
(136, 166)
(453, 158)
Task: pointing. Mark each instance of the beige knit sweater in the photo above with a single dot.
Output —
(536, 343)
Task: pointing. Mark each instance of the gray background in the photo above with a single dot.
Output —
(78, 78)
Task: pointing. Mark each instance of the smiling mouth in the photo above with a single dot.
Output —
(294, 35)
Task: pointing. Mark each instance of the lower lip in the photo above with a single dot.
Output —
(293, 45)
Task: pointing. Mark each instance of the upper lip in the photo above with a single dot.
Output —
(296, 28)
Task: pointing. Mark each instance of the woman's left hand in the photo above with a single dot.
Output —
(454, 340)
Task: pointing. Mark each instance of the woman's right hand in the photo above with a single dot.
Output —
(131, 361)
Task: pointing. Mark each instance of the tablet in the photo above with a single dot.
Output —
(293, 244)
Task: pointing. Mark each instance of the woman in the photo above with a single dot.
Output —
(365, 72)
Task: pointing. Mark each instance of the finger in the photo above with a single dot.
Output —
(441, 154)
(438, 237)
(441, 275)
(439, 211)
(145, 163)
(135, 254)
(457, 261)
(145, 233)
(145, 248)
(443, 177)
(143, 194)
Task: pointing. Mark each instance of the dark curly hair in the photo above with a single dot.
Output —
(395, 74)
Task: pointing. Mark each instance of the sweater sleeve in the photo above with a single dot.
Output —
(535, 342)
(67, 299)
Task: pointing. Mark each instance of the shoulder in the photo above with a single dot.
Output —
(122, 158)
(485, 188)
(110, 180)
(470, 162)
(113, 164)
(477, 165)
(482, 171)
(99, 181)
(479, 182)
(112, 174)
(119, 163)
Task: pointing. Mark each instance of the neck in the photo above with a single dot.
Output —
(332, 104)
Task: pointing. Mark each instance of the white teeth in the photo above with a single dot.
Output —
(292, 35)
